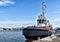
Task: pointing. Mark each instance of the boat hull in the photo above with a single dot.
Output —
(35, 33)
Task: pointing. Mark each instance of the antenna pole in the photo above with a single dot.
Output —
(43, 7)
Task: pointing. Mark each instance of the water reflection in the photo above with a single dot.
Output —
(11, 36)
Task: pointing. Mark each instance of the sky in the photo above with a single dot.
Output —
(17, 13)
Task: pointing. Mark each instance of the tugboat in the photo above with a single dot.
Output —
(43, 28)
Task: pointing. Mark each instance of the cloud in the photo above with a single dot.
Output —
(8, 24)
(55, 22)
(6, 2)
(11, 24)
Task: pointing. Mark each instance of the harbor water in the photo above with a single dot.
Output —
(11, 36)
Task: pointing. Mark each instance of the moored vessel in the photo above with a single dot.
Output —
(43, 28)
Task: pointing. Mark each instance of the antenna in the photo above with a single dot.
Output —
(43, 7)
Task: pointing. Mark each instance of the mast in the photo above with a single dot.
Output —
(43, 7)
(41, 18)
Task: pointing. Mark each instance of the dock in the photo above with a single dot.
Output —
(51, 38)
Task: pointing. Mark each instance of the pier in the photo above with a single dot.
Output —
(51, 38)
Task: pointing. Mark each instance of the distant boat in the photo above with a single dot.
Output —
(43, 28)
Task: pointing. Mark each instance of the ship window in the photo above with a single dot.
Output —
(41, 21)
